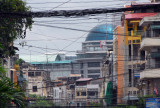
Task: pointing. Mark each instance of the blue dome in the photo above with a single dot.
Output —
(101, 32)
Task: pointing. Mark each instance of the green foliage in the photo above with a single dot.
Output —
(9, 92)
(141, 101)
(96, 104)
(12, 26)
(40, 101)
(19, 61)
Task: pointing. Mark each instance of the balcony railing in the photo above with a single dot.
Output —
(92, 97)
(150, 34)
(135, 33)
(153, 66)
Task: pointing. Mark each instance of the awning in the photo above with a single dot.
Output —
(109, 93)
(126, 98)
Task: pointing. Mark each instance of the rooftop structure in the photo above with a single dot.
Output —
(101, 32)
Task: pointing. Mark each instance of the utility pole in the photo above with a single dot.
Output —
(47, 71)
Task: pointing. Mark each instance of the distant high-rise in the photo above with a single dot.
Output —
(94, 50)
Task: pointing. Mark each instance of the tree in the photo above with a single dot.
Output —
(12, 26)
(9, 93)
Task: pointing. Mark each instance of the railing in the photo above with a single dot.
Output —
(135, 33)
(92, 97)
(153, 66)
(150, 34)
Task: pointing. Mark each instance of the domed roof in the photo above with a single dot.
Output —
(101, 32)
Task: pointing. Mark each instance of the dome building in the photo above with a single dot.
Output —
(94, 50)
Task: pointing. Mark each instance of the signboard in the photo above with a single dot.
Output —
(152, 103)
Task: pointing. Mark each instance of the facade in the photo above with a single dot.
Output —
(86, 92)
(37, 81)
(62, 66)
(134, 59)
(118, 60)
(60, 95)
(151, 45)
(128, 59)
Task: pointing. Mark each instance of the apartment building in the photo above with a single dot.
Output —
(150, 76)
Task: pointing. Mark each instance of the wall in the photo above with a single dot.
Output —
(120, 62)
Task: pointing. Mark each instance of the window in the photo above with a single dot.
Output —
(93, 71)
(38, 73)
(81, 71)
(81, 65)
(134, 92)
(77, 93)
(83, 93)
(93, 64)
(30, 74)
(34, 88)
(78, 104)
(130, 77)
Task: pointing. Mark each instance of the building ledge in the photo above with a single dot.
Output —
(136, 62)
(148, 43)
(150, 74)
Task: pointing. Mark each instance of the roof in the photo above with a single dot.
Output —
(144, 3)
(149, 20)
(139, 15)
(84, 79)
(100, 33)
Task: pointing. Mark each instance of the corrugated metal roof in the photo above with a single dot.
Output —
(84, 79)
(139, 15)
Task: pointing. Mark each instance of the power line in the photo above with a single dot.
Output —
(81, 30)
(108, 1)
(60, 5)
(68, 13)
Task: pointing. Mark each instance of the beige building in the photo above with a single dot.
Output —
(37, 81)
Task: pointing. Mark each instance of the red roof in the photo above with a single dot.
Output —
(84, 79)
(139, 15)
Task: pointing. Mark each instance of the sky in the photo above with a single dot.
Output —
(52, 40)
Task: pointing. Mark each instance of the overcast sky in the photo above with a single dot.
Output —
(63, 39)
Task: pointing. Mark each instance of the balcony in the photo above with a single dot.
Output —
(150, 74)
(148, 43)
